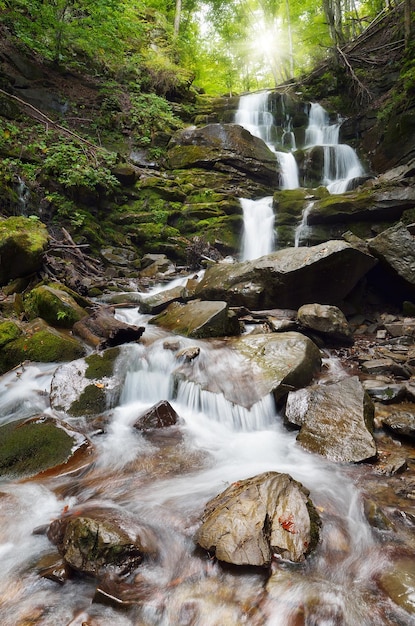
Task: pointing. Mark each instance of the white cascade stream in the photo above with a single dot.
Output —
(341, 163)
(341, 166)
(222, 441)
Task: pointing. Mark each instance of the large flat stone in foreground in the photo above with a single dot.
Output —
(288, 278)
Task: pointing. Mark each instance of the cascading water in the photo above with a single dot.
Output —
(258, 234)
(166, 485)
(341, 163)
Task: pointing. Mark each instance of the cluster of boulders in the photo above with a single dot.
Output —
(294, 303)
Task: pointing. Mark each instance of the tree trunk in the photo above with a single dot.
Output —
(177, 16)
(409, 28)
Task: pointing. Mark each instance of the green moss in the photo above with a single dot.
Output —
(8, 332)
(101, 364)
(92, 400)
(55, 306)
(29, 447)
(45, 346)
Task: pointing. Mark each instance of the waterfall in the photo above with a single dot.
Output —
(253, 115)
(289, 170)
(341, 163)
(302, 229)
(258, 233)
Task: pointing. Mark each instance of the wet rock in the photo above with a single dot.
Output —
(375, 516)
(53, 568)
(22, 244)
(258, 519)
(399, 584)
(385, 366)
(188, 354)
(40, 444)
(102, 330)
(284, 362)
(56, 306)
(153, 264)
(96, 540)
(38, 342)
(363, 205)
(199, 319)
(327, 320)
(401, 423)
(87, 386)
(158, 302)
(221, 147)
(288, 278)
(336, 420)
(161, 415)
(384, 391)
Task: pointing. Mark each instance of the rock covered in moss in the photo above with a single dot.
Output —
(54, 305)
(258, 519)
(39, 342)
(219, 146)
(87, 386)
(22, 244)
(38, 444)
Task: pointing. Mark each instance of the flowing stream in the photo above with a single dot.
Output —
(165, 483)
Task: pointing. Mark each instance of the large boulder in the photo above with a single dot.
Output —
(288, 278)
(280, 361)
(257, 518)
(395, 249)
(247, 370)
(222, 147)
(198, 319)
(22, 244)
(336, 420)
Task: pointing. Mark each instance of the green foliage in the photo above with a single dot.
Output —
(74, 166)
(151, 113)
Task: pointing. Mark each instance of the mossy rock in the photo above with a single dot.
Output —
(87, 386)
(55, 306)
(93, 400)
(28, 447)
(9, 331)
(22, 244)
(46, 345)
(101, 364)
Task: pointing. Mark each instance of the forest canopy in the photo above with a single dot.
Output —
(223, 46)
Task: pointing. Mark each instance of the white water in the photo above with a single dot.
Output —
(302, 229)
(258, 233)
(341, 163)
(167, 487)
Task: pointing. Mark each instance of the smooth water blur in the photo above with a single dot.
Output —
(258, 232)
(165, 481)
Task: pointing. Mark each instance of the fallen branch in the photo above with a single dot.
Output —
(47, 120)
(362, 89)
